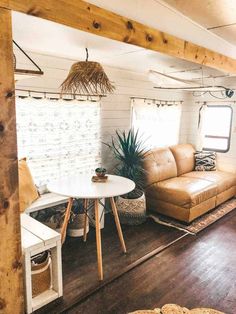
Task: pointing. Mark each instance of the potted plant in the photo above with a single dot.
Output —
(76, 222)
(129, 151)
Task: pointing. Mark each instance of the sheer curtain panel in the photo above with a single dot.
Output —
(58, 137)
(158, 124)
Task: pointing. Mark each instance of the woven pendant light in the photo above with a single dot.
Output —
(87, 78)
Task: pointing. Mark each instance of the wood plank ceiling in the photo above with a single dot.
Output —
(218, 16)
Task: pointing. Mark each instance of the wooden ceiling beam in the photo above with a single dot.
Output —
(11, 285)
(90, 18)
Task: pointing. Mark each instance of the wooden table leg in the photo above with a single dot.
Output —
(114, 209)
(66, 220)
(98, 240)
(85, 219)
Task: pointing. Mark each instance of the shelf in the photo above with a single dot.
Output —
(44, 298)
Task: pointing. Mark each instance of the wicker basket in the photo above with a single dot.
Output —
(76, 226)
(41, 273)
(131, 211)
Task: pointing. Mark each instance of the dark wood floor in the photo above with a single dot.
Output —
(80, 262)
(195, 271)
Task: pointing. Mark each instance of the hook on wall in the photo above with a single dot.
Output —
(87, 54)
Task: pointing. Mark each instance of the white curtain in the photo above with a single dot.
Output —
(157, 124)
(201, 127)
(58, 137)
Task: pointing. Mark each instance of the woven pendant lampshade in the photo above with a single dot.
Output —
(87, 78)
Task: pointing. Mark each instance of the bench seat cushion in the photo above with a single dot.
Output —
(27, 190)
(223, 180)
(185, 192)
(45, 201)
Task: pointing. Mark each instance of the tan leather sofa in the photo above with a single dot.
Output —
(174, 189)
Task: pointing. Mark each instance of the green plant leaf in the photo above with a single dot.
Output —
(128, 149)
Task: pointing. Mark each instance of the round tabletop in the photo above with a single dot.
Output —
(81, 186)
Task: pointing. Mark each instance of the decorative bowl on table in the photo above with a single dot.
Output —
(100, 172)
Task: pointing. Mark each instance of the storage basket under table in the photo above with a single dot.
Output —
(37, 238)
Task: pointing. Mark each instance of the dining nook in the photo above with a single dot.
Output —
(117, 157)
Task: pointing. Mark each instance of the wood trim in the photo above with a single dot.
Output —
(93, 19)
(11, 293)
(28, 72)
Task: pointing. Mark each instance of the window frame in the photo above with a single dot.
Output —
(228, 138)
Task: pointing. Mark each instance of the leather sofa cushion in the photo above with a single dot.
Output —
(159, 165)
(184, 157)
(183, 191)
(223, 180)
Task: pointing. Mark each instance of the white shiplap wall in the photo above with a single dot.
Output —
(116, 113)
(189, 131)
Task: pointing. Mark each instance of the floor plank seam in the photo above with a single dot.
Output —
(130, 267)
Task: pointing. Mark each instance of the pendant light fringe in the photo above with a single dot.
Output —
(87, 77)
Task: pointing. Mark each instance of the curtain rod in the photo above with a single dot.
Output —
(160, 100)
(215, 101)
(56, 93)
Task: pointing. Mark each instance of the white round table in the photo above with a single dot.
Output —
(81, 186)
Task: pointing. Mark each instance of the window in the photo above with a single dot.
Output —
(58, 137)
(217, 128)
(157, 124)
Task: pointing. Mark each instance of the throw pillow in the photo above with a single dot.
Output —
(205, 161)
(27, 189)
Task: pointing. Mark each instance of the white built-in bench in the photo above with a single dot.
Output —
(45, 201)
(51, 199)
(36, 238)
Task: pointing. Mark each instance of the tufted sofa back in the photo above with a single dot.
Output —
(165, 163)
(184, 158)
(159, 165)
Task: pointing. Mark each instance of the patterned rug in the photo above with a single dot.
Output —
(200, 223)
(176, 309)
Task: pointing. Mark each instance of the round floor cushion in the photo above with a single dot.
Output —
(155, 311)
(176, 309)
(205, 311)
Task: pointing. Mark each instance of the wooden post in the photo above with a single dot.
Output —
(11, 283)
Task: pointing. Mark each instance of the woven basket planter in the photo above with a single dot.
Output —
(131, 211)
(76, 227)
(55, 222)
(41, 273)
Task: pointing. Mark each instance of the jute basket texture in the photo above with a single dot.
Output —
(176, 309)
(76, 225)
(131, 211)
(87, 78)
(41, 276)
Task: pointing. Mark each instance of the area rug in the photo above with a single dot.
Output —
(200, 223)
(176, 309)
